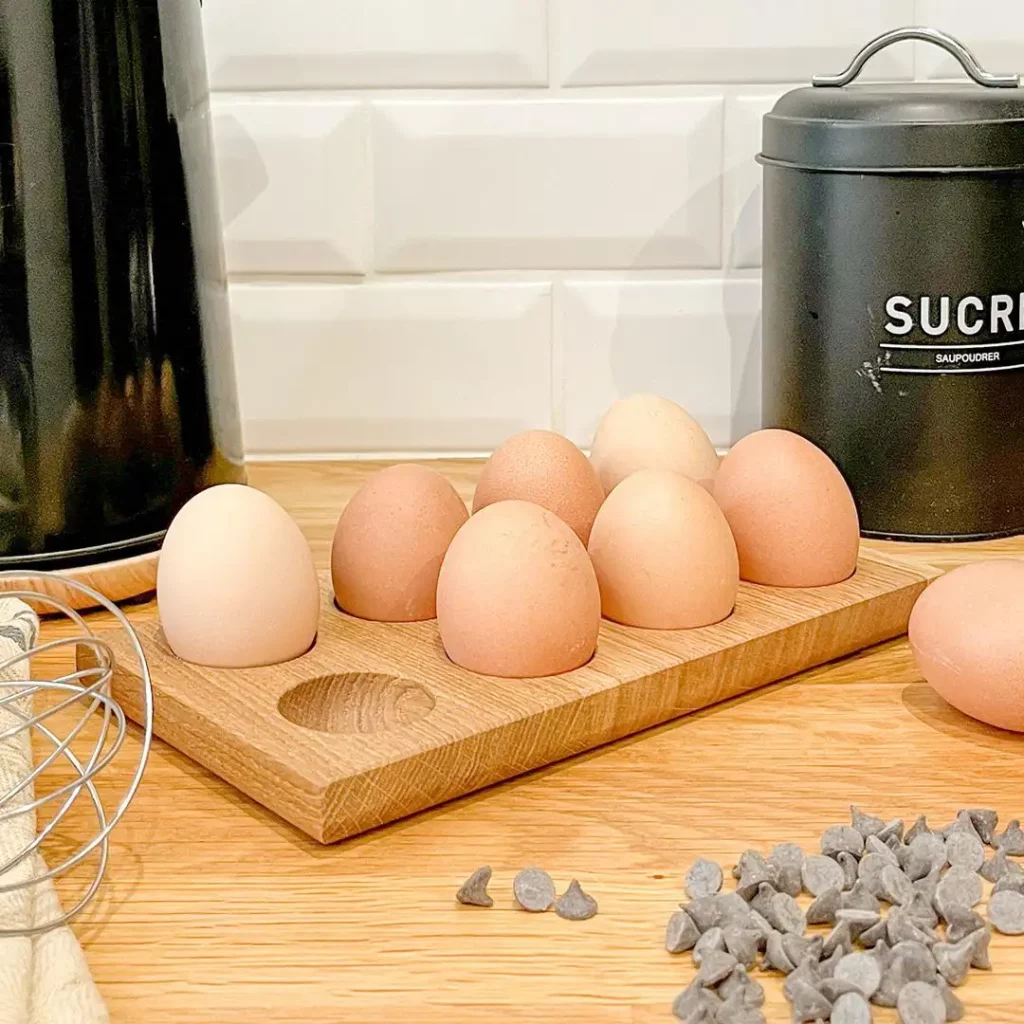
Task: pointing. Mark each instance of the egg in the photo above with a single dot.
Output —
(967, 634)
(663, 554)
(236, 586)
(547, 469)
(649, 432)
(517, 595)
(790, 510)
(390, 541)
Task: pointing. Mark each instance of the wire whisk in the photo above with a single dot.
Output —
(85, 692)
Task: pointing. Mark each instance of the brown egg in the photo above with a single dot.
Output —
(237, 586)
(663, 554)
(967, 634)
(649, 432)
(547, 469)
(390, 541)
(790, 510)
(517, 595)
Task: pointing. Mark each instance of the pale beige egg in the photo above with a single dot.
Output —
(390, 541)
(790, 510)
(547, 469)
(967, 634)
(517, 595)
(663, 553)
(236, 585)
(650, 432)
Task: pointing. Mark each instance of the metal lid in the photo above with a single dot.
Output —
(899, 128)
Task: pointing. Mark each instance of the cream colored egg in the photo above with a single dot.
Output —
(237, 586)
(650, 432)
(663, 554)
(517, 595)
(790, 510)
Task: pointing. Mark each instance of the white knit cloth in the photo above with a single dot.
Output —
(43, 980)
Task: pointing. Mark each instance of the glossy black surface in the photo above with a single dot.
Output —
(117, 397)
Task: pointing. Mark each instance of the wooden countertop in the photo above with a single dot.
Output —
(217, 912)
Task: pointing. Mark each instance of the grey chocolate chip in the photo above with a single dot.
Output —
(981, 960)
(858, 920)
(931, 848)
(742, 943)
(871, 937)
(762, 902)
(850, 866)
(753, 877)
(823, 909)
(826, 968)
(869, 872)
(842, 838)
(736, 1011)
(695, 1004)
(862, 970)
(749, 860)
(903, 928)
(786, 915)
(860, 898)
(798, 949)
(760, 924)
(851, 1008)
(473, 892)
(705, 911)
(808, 1003)
(775, 955)
(788, 879)
(1006, 912)
(1010, 883)
(786, 855)
(821, 873)
(732, 909)
(715, 966)
(919, 828)
(928, 884)
(953, 959)
(998, 865)
(896, 888)
(921, 1003)
(965, 851)
(865, 824)
(875, 845)
(739, 983)
(1012, 839)
(893, 830)
(832, 988)
(920, 910)
(841, 937)
(681, 933)
(713, 939)
(959, 887)
(703, 879)
(910, 961)
(805, 974)
(954, 1008)
(962, 922)
(534, 890)
(985, 822)
(963, 824)
(576, 905)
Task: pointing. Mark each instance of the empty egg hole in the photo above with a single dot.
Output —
(356, 702)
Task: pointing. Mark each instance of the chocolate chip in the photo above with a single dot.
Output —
(808, 1003)
(1006, 912)
(775, 955)
(860, 898)
(842, 838)
(576, 905)
(931, 848)
(903, 928)
(1010, 883)
(762, 902)
(473, 892)
(985, 822)
(1012, 839)
(799, 949)
(760, 924)
(910, 961)
(865, 824)
(965, 851)
(821, 873)
(740, 984)
(786, 855)
(534, 890)
(715, 966)
(703, 879)
(896, 888)
(832, 988)
(862, 970)
(875, 845)
(681, 933)
(871, 937)
(996, 866)
(953, 959)
(850, 866)
(786, 915)
(919, 828)
(920, 910)
(841, 937)
(823, 909)
(826, 968)
(743, 943)
(732, 909)
(736, 1011)
(981, 938)
(962, 922)
(954, 1008)
(705, 911)
(851, 1008)
(892, 830)
(959, 887)
(921, 1003)
(695, 1004)
(805, 974)
(749, 860)
(787, 879)
(869, 872)
(712, 939)
(963, 824)
(858, 920)
(928, 884)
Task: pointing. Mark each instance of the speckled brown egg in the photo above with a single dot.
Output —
(967, 634)
(390, 541)
(237, 586)
(547, 469)
(650, 432)
(517, 595)
(790, 510)
(663, 554)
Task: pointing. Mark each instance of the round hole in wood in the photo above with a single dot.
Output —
(356, 702)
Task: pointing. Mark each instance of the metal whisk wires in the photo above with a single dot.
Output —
(86, 691)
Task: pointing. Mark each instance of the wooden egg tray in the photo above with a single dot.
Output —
(375, 722)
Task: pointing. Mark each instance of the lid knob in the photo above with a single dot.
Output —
(929, 35)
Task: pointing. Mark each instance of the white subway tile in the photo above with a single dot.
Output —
(993, 29)
(316, 44)
(742, 179)
(696, 342)
(391, 366)
(608, 42)
(586, 183)
(294, 184)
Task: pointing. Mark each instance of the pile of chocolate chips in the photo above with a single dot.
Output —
(910, 956)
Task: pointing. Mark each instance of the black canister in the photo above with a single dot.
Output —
(117, 390)
(893, 292)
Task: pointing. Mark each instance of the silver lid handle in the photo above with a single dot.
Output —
(929, 35)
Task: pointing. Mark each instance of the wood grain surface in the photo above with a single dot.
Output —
(217, 912)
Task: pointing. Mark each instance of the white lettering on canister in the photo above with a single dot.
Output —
(896, 310)
(972, 302)
(972, 313)
(935, 330)
(1002, 310)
